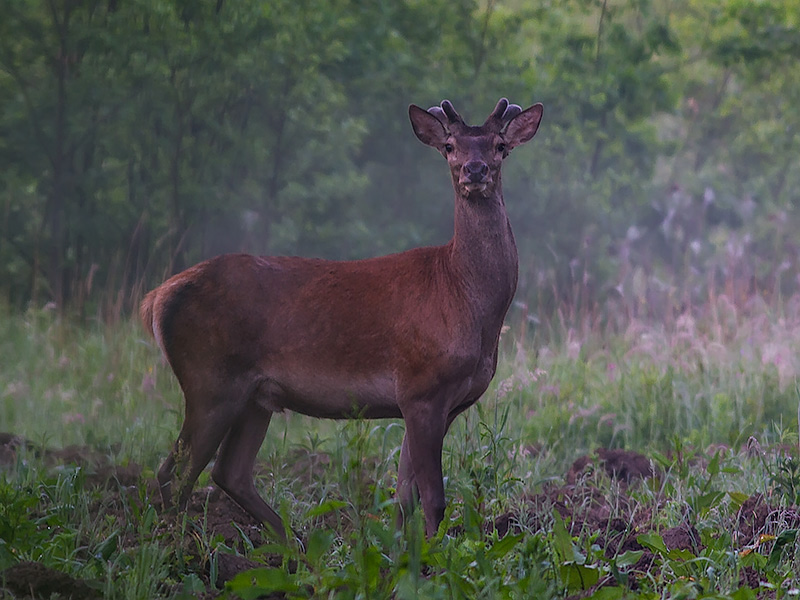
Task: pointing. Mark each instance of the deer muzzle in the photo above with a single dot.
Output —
(475, 177)
(475, 171)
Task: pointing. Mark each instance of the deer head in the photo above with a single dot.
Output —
(474, 154)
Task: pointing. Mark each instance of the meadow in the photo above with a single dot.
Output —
(657, 459)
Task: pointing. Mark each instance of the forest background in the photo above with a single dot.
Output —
(139, 137)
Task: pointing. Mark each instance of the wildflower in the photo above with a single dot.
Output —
(69, 418)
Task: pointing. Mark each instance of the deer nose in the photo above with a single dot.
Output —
(476, 170)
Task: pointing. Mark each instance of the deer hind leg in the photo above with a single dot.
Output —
(166, 473)
(204, 427)
(233, 469)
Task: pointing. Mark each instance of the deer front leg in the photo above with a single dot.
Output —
(407, 490)
(423, 445)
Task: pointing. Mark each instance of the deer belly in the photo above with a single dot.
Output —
(331, 397)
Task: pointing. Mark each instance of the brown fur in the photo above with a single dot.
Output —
(411, 335)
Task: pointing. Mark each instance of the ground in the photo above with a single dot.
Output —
(616, 520)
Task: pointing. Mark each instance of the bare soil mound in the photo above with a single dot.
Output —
(34, 580)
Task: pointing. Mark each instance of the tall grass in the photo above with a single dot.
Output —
(716, 379)
(62, 385)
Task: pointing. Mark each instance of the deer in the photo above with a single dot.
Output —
(411, 336)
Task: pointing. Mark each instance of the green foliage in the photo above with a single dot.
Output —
(601, 71)
(786, 477)
(140, 137)
(19, 534)
(376, 562)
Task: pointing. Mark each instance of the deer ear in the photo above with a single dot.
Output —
(427, 127)
(523, 127)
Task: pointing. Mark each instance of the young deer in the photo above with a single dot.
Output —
(411, 335)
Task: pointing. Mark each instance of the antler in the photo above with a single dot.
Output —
(503, 113)
(499, 109)
(437, 112)
(446, 114)
(512, 111)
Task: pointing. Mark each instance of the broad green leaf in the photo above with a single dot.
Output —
(653, 542)
(713, 465)
(319, 541)
(325, 507)
(744, 593)
(503, 546)
(708, 501)
(628, 558)
(255, 583)
(108, 546)
(738, 499)
(786, 537)
(562, 541)
(579, 577)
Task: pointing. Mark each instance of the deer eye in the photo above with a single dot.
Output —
(448, 148)
(501, 148)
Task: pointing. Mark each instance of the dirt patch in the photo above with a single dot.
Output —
(212, 509)
(583, 505)
(98, 468)
(34, 580)
(757, 517)
(623, 465)
(616, 520)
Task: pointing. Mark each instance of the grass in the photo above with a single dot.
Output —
(711, 401)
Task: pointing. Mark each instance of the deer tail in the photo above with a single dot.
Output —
(148, 315)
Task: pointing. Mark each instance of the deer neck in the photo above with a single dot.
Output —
(484, 253)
